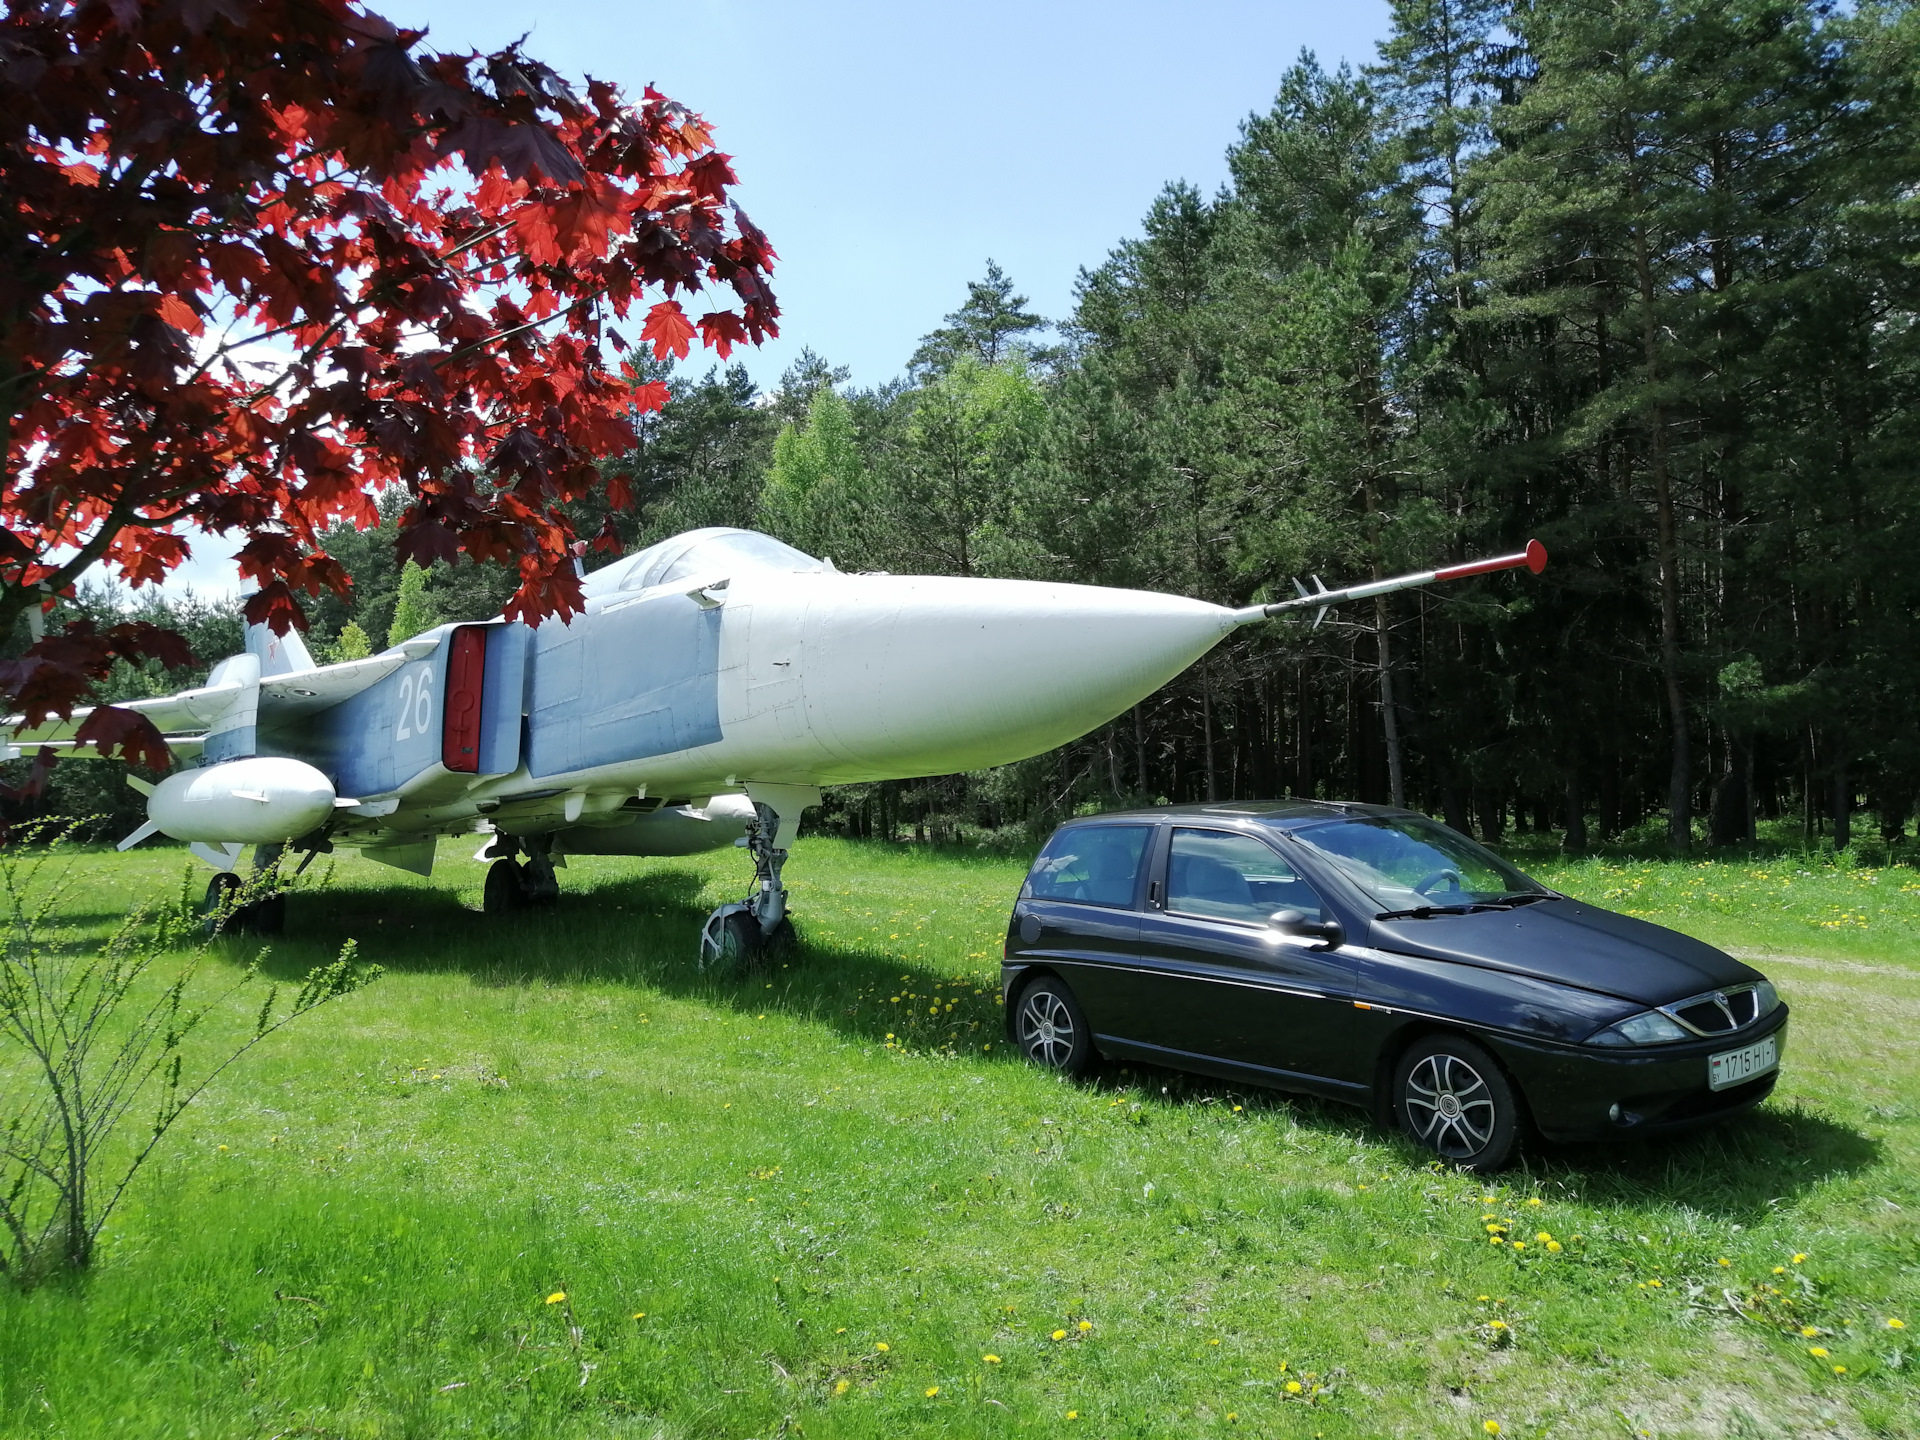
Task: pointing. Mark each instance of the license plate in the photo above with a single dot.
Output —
(1734, 1067)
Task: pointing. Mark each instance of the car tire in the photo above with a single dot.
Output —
(1051, 1029)
(1451, 1097)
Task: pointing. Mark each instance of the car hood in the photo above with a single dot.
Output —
(1573, 943)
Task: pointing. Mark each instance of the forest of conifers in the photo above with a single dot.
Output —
(1639, 279)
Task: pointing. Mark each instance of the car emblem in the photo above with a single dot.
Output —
(1726, 1009)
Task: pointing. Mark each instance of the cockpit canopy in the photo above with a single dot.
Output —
(715, 550)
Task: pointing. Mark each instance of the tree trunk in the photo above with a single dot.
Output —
(1842, 798)
(1575, 842)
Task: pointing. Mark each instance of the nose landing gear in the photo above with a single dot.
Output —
(756, 931)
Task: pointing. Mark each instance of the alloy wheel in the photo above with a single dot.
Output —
(1046, 1029)
(1449, 1106)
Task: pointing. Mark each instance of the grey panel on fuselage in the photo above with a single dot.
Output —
(623, 684)
(381, 738)
(503, 697)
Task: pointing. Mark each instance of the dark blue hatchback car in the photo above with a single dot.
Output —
(1375, 956)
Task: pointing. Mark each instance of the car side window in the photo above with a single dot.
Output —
(1233, 877)
(1090, 864)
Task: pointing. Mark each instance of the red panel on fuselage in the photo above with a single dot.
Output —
(466, 674)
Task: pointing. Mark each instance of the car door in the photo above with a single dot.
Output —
(1220, 982)
(1077, 911)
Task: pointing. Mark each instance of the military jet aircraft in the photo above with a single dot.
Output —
(713, 683)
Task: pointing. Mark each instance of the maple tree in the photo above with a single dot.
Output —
(260, 259)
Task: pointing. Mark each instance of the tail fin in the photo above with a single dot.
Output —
(278, 654)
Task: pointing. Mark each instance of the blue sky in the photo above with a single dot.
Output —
(889, 149)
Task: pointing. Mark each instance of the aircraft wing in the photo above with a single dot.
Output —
(282, 697)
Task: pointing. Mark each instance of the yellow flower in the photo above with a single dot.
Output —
(1216, 1342)
(1483, 1297)
(1724, 1261)
(1073, 1414)
(1232, 1415)
(1839, 1369)
(1801, 1256)
(1807, 1332)
(556, 1297)
(840, 1386)
(1293, 1387)
(1492, 1427)
(1654, 1283)
(639, 1314)
(1893, 1324)
(1495, 1240)
(991, 1359)
(1496, 1324)
(1519, 1244)
(1543, 1237)
(1779, 1269)
(932, 1390)
(1819, 1352)
(1085, 1325)
(882, 1346)
(1534, 1201)
(1554, 1246)
(1059, 1334)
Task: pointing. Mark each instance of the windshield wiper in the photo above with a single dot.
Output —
(1427, 912)
(1520, 897)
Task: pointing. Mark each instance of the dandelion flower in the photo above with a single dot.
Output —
(1726, 1262)
(639, 1314)
(1496, 1324)
(1059, 1334)
(1232, 1415)
(1293, 1387)
(1819, 1352)
(1534, 1201)
(932, 1390)
(1085, 1325)
(1483, 1298)
(991, 1359)
(1543, 1237)
(556, 1297)
(1654, 1283)
(1839, 1369)
(1554, 1246)
(1216, 1342)
(1779, 1269)
(1519, 1244)
(841, 1387)
(1807, 1332)
(882, 1346)
(1492, 1427)
(1893, 1324)
(1073, 1414)
(1801, 1256)
(1495, 1240)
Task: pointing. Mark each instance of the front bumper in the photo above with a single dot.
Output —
(1589, 1093)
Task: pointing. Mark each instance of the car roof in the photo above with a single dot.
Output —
(1274, 814)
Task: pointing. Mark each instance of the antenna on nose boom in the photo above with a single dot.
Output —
(1320, 599)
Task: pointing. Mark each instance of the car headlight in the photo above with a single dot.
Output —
(1766, 998)
(1651, 1028)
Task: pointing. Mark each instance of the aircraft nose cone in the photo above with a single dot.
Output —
(929, 675)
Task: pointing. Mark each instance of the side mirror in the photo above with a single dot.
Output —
(1295, 922)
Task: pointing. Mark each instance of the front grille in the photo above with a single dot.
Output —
(1720, 1012)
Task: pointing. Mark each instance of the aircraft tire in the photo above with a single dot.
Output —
(220, 891)
(740, 950)
(264, 917)
(778, 948)
(506, 888)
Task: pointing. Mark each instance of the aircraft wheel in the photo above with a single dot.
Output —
(265, 917)
(778, 948)
(215, 914)
(731, 945)
(506, 888)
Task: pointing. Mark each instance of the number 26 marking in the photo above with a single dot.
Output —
(416, 703)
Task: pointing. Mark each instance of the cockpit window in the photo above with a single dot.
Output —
(695, 553)
(737, 549)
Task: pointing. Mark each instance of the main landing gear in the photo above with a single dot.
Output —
(757, 931)
(513, 885)
(257, 906)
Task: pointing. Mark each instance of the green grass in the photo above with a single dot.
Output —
(356, 1234)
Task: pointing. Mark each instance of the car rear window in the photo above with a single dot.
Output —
(1089, 864)
(1233, 877)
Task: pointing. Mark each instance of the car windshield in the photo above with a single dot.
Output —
(1409, 863)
